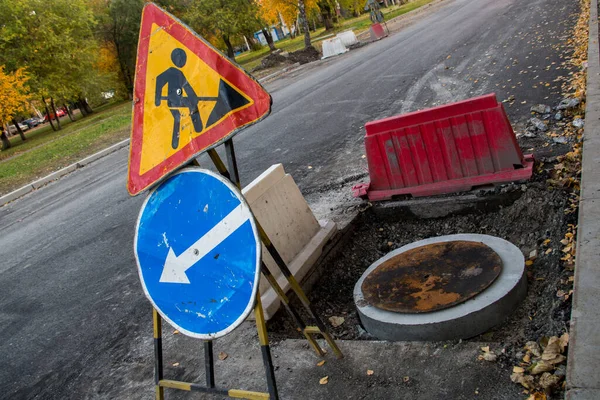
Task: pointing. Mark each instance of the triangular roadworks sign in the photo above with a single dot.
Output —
(188, 98)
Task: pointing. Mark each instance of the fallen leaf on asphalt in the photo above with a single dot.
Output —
(529, 263)
(525, 380)
(518, 370)
(320, 363)
(175, 332)
(545, 243)
(527, 358)
(176, 364)
(548, 382)
(564, 340)
(548, 251)
(539, 367)
(336, 321)
(310, 167)
(552, 349)
(223, 355)
(486, 349)
(537, 396)
(324, 380)
(370, 372)
(406, 379)
(534, 348)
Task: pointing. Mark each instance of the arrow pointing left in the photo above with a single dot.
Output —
(176, 265)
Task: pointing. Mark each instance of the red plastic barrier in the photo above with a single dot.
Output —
(377, 31)
(445, 149)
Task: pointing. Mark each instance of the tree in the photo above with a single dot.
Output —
(289, 10)
(222, 19)
(119, 26)
(56, 42)
(14, 98)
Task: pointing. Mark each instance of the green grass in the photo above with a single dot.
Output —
(251, 60)
(48, 151)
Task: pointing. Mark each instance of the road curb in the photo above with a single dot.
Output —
(583, 379)
(278, 73)
(7, 198)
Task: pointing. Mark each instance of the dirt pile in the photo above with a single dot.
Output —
(273, 60)
(305, 56)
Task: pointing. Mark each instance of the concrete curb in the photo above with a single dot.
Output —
(7, 198)
(278, 73)
(583, 379)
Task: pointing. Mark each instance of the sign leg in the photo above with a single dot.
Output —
(261, 326)
(298, 290)
(291, 311)
(158, 357)
(209, 363)
(232, 163)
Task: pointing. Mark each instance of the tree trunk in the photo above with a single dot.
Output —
(86, 105)
(305, 28)
(81, 108)
(54, 111)
(16, 124)
(325, 9)
(69, 112)
(5, 142)
(230, 52)
(48, 114)
(269, 39)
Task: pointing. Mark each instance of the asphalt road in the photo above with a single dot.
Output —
(72, 313)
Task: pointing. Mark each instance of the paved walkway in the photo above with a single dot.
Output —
(583, 367)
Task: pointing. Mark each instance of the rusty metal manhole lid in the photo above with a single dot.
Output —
(432, 277)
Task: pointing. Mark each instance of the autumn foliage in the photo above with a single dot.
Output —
(14, 94)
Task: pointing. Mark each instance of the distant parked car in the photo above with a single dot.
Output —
(32, 122)
(13, 129)
(60, 112)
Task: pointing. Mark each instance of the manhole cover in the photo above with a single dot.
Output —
(432, 277)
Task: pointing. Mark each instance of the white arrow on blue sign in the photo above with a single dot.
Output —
(198, 253)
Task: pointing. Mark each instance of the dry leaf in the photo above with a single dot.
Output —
(527, 358)
(541, 366)
(370, 372)
(563, 341)
(176, 364)
(486, 349)
(545, 243)
(324, 380)
(175, 332)
(525, 380)
(534, 348)
(552, 349)
(406, 379)
(222, 355)
(336, 321)
(518, 370)
(320, 363)
(549, 381)
(548, 251)
(528, 263)
(537, 396)
(490, 356)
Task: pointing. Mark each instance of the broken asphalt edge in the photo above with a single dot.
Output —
(7, 198)
(583, 379)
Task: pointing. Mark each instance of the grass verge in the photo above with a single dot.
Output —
(51, 151)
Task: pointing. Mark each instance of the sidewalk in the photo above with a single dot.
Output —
(583, 366)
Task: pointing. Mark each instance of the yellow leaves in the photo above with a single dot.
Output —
(518, 370)
(370, 372)
(321, 363)
(14, 95)
(222, 355)
(324, 380)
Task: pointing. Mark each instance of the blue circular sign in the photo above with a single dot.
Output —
(198, 253)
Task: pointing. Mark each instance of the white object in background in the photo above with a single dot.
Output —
(333, 47)
(348, 38)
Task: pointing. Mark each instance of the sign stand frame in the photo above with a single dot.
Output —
(231, 173)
